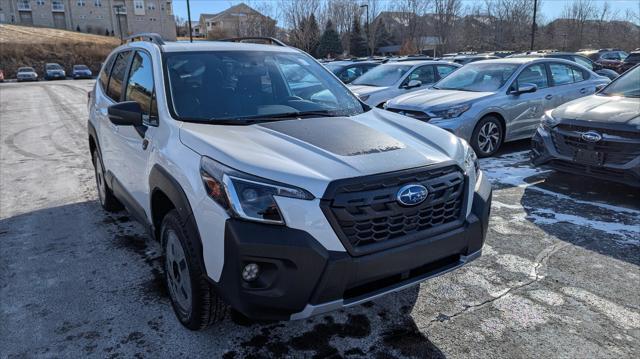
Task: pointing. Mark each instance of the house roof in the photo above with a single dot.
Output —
(239, 8)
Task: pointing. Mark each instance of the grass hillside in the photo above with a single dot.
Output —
(35, 46)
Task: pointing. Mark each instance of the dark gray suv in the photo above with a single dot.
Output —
(597, 135)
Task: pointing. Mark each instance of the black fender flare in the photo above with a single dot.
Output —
(161, 180)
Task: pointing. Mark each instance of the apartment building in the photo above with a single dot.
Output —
(120, 17)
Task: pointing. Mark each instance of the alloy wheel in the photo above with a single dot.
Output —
(488, 137)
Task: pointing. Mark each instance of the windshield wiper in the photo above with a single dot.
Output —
(247, 120)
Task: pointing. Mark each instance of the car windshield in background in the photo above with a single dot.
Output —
(54, 67)
(26, 69)
(334, 67)
(627, 85)
(478, 77)
(235, 85)
(383, 75)
(80, 67)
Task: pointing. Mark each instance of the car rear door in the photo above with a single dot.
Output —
(569, 82)
(525, 110)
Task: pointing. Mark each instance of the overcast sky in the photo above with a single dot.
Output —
(550, 8)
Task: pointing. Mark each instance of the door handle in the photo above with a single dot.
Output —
(583, 90)
(549, 97)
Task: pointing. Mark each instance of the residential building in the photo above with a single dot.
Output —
(120, 17)
(238, 20)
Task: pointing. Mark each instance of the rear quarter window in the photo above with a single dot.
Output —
(103, 79)
(114, 88)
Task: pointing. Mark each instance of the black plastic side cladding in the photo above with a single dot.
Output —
(337, 135)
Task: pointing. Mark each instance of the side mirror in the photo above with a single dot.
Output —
(126, 113)
(525, 88)
(412, 84)
(600, 87)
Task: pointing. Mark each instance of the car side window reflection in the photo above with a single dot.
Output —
(140, 83)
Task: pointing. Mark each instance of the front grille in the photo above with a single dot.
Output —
(418, 115)
(367, 217)
(618, 147)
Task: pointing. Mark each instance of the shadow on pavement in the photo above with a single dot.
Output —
(104, 266)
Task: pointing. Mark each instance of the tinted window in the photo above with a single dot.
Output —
(444, 70)
(104, 74)
(561, 74)
(634, 57)
(611, 56)
(140, 83)
(351, 74)
(627, 85)
(534, 74)
(423, 74)
(231, 85)
(114, 89)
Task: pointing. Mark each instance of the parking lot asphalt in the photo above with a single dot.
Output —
(559, 275)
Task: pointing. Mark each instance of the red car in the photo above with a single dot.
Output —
(630, 61)
(607, 58)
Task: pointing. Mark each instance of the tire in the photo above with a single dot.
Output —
(107, 200)
(487, 137)
(194, 300)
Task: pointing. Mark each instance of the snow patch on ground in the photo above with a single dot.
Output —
(512, 169)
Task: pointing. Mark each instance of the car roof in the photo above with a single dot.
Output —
(516, 60)
(417, 62)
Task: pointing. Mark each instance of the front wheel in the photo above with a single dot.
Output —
(487, 137)
(194, 300)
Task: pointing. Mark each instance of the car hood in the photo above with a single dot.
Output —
(310, 153)
(436, 98)
(366, 90)
(595, 108)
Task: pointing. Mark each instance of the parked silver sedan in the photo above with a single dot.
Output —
(392, 79)
(494, 101)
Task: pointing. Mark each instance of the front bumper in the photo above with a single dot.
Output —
(545, 154)
(300, 278)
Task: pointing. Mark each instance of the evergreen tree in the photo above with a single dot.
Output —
(329, 42)
(313, 33)
(357, 42)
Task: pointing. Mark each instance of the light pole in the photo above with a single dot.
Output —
(117, 9)
(533, 25)
(368, 30)
(189, 17)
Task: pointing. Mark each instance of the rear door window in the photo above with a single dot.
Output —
(106, 70)
(584, 62)
(140, 83)
(561, 74)
(114, 89)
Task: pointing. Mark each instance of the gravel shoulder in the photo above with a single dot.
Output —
(559, 275)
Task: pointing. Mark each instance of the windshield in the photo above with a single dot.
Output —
(478, 77)
(335, 68)
(26, 69)
(236, 85)
(54, 67)
(80, 67)
(627, 85)
(383, 75)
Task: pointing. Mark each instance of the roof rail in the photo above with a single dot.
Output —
(145, 36)
(271, 40)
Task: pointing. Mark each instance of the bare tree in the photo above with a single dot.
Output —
(410, 14)
(296, 14)
(446, 14)
(577, 14)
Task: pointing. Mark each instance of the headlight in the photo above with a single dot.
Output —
(471, 163)
(246, 196)
(364, 97)
(450, 112)
(548, 121)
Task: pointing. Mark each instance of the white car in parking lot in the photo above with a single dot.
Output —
(268, 197)
(398, 78)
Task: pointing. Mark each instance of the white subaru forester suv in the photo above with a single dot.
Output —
(270, 186)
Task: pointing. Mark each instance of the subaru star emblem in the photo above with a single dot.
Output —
(412, 194)
(591, 136)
